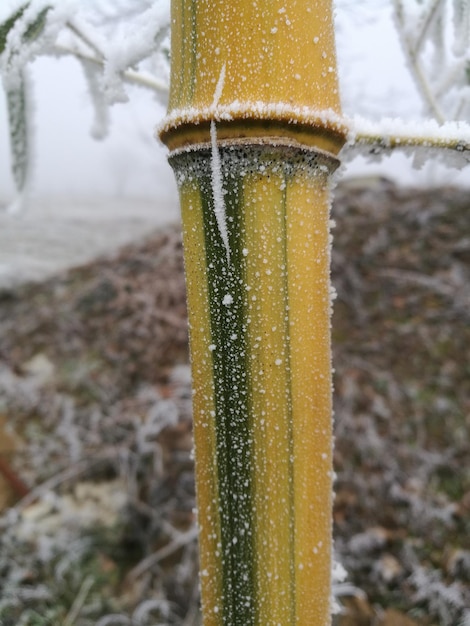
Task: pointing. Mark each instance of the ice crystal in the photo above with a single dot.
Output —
(216, 170)
(446, 602)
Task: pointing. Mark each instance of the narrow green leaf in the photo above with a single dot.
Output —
(35, 28)
(18, 125)
(7, 25)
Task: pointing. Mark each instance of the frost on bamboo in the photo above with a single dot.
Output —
(253, 125)
(261, 369)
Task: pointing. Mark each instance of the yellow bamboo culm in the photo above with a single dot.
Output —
(254, 128)
(276, 51)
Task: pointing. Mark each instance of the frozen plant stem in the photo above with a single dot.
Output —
(140, 79)
(413, 49)
(255, 200)
(390, 134)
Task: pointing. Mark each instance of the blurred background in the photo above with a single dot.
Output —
(374, 83)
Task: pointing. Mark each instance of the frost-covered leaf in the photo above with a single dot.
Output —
(93, 75)
(22, 36)
(19, 137)
(36, 27)
(32, 31)
(7, 25)
(26, 25)
(134, 41)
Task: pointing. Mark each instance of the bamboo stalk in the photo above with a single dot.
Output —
(253, 151)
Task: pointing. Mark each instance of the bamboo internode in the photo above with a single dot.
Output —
(254, 126)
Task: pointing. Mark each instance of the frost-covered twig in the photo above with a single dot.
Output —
(79, 32)
(192, 616)
(139, 78)
(426, 22)
(79, 601)
(412, 45)
(437, 57)
(450, 141)
(426, 90)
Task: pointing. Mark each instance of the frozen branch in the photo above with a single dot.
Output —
(141, 79)
(412, 47)
(78, 32)
(437, 59)
(79, 601)
(377, 138)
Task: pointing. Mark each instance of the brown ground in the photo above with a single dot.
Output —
(94, 385)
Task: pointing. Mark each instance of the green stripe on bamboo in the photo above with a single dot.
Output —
(203, 396)
(233, 427)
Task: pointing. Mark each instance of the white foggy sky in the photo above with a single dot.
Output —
(374, 83)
